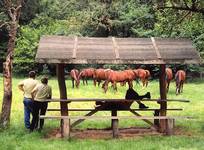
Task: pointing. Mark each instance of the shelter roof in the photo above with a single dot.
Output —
(111, 50)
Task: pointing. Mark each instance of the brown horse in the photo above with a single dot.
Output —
(143, 75)
(169, 77)
(119, 76)
(180, 78)
(74, 77)
(85, 74)
(100, 75)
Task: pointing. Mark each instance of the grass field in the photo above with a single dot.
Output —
(16, 137)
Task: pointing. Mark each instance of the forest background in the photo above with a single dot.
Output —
(102, 18)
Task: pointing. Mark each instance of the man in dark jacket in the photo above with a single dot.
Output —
(130, 96)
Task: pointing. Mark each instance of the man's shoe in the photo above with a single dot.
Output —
(142, 106)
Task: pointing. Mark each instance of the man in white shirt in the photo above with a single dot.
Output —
(27, 87)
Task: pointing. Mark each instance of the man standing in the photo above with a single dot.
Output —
(40, 93)
(27, 87)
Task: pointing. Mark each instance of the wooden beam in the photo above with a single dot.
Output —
(63, 95)
(75, 47)
(91, 109)
(163, 105)
(114, 124)
(112, 100)
(115, 46)
(81, 120)
(170, 123)
(118, 117)
(145, 120)
(156, 48)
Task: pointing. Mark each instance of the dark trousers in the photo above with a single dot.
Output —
(38, 108)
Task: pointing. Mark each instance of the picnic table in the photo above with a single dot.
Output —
(114, 117)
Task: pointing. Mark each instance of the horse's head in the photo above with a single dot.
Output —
(77, 83)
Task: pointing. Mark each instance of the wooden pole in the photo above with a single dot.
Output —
(114, 124)
(163, 105)
(65, 125)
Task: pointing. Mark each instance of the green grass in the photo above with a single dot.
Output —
(16, 137)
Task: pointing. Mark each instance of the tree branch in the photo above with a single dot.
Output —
(196, 10)
(3, 24)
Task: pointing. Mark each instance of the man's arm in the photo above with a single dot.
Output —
(20, 86)
(33, 93)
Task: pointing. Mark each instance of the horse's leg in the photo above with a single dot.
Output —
(143, 82)
(105, 87)
(167, 88)
(146, 82)
(130, 84)
(86, 81)
(94, 82)
(99, 82)
(114, 85)
(83, 81)
(182, 86)
(72, 83)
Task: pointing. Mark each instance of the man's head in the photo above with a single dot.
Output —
(32, 74)
(44, 80)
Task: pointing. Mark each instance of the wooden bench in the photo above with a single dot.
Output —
(170, 121)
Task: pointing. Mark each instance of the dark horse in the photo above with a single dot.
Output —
(169, 77)
(74, 77)
(180, 78)
(130, 96)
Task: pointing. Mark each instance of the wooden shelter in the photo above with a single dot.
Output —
(62, 50)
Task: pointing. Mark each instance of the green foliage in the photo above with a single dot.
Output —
(133, 18)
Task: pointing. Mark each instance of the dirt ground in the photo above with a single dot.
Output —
(107, 133)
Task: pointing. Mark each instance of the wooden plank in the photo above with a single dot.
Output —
(170, 123)
(156, 48)
(63, 95)
(107, 99)
(114, 124)
(75, 47)
(81, 120)
(163, 105)
(169, 109)
(115, 46)
(116, 117)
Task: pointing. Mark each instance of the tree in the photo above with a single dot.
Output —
(12, 9)
(196, 6)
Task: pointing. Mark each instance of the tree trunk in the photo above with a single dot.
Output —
(7, 78)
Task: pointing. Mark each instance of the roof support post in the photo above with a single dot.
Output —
(65, 126)
(163, 105)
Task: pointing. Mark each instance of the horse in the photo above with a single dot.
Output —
(169, 77)
(74, 73)
(119, 76)
(100, 75)
(85, 74)
(180, 78)
(143, 75)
